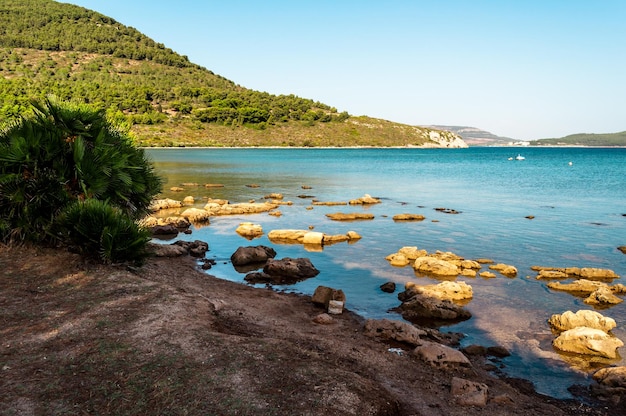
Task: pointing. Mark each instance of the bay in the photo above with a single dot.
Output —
(577, 197)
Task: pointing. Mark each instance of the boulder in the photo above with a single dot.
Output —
(287, 236)
(166, 250)
(622, 249)
(487, 275)
(215, 208)
(588, 341)
(167, 203)
(445, 290)
(397, 260)
(188, 200)
(582, 286)
(195, 248)
(597, 274)
(611, 377)
(252, 255)
(323, 319)
(441, 356)
(364, 200)
(314, 237)
(412, 252)
(418, 308)
(354, 216)
(409, 217)
(588, 273)
(602, 296)
(196, 215)
(393, 330)
(288, 270)
(160, 230)
(590, 319)
(470, 264)
(504, 269)
(329, 203)
(388, 287)
(323, 295)
(469, 393)
(434, 266)
(249, 230)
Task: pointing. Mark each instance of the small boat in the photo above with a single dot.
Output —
(519, 157)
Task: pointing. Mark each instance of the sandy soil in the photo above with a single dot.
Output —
(81, 338)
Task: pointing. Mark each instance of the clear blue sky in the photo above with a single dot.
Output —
(525, 69)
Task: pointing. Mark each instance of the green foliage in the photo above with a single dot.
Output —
(98, 229)
(585, 139)
(63, 153)
(77, 54)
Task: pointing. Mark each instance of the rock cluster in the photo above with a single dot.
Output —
(588, 273)
(585, 332)
(443, 264)
(464, 392)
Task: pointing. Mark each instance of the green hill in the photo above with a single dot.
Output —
(585, 139)
(51, 48)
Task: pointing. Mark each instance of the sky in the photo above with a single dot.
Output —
(524, 69)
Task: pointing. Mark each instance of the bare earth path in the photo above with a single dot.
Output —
(166, 339)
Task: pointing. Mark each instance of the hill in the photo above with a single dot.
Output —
(585, 139)
(78, 54)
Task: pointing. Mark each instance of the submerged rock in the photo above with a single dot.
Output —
(409, 217)
(340, 216)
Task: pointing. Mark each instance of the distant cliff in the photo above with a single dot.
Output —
(476, 137)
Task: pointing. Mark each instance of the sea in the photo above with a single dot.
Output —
(559, 207)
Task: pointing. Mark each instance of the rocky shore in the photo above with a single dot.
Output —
(166, 338)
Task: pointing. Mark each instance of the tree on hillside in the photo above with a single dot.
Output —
(61, 157)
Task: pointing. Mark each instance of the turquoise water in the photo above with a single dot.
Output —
(579, 221)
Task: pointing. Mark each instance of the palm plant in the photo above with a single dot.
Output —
(63, 153)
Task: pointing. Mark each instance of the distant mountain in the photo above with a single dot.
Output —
(52, 48)
(585, 139)
(477, 137)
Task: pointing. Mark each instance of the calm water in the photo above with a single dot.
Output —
(578, 211)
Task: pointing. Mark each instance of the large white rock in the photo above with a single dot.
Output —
(590, 319)
(588, 341)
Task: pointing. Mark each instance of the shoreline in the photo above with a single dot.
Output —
(273, 358)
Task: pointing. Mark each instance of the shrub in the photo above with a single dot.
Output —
(65, 153)
(95, 228)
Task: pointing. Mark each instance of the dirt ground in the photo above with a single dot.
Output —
(80, 338)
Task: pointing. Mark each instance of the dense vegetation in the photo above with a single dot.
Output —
(80, 55)
(585, 139)
(67, 176)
